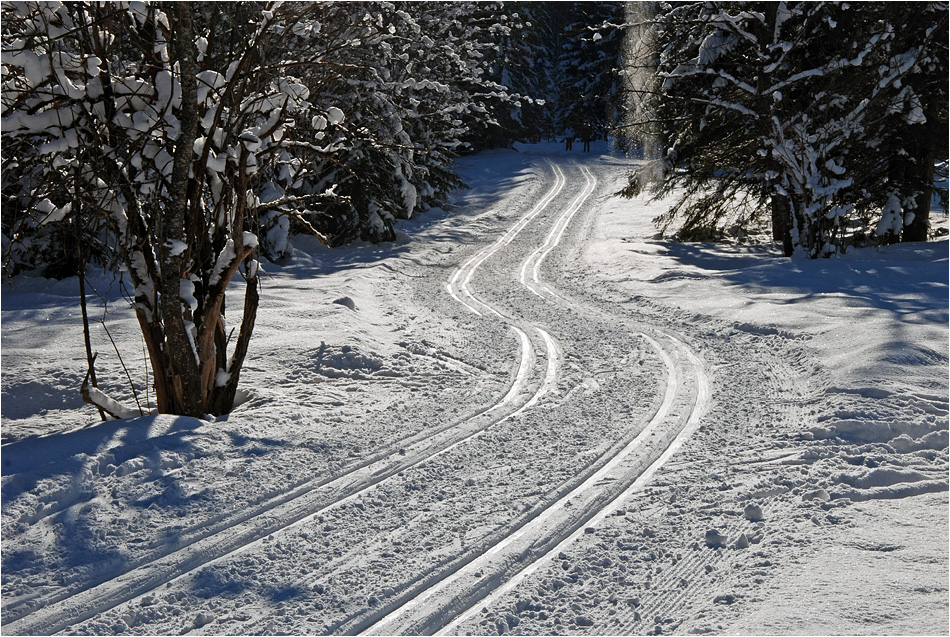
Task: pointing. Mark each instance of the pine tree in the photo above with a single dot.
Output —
(912, 134)
(765, 109)
(527, 71)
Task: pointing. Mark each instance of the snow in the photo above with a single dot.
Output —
(295, 91)
(249, 239)
(891, 219)
(168, 90)
(386, 436)
(51, 212)
(35, 67)
(334, 116)
(224, 260)
(208, 82)
(187, 294)
(276, 233)
(110, 405)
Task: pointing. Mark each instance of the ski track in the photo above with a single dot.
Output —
(57, 611)
(447, 595)
(692, 423)
(574, 521)
(453, 596)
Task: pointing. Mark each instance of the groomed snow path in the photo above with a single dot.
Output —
(531, 418)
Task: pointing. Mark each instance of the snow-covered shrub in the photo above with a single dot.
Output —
(162, 122)
(200, 135)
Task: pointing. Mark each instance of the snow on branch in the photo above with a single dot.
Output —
(96, 398)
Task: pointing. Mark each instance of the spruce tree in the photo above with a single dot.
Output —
(765, 110)
(589, 59)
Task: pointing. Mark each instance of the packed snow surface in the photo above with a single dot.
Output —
(531, 414)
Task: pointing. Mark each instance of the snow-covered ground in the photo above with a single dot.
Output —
(530, 415)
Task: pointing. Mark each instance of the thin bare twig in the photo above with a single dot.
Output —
(124, 368)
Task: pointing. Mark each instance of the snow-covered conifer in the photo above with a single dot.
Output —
(589, 59)
(416, 80)
(765, 108)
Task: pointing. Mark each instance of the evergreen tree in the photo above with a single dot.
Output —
(589, 59)
(529, 60)
(766, 108)
(417, 82)
(911, 117)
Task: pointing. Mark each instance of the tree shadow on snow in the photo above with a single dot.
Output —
(906, 284)
(81, 455)
(256, 446)
(136, 435)
(454, 225)
(73, 465)
(904, 280)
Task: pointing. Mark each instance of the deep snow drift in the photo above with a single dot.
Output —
(530, 415)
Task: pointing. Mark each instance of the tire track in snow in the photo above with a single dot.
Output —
(58, 611)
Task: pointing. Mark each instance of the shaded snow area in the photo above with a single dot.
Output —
(530, 415)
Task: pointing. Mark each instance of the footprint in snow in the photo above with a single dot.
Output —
(753, 513)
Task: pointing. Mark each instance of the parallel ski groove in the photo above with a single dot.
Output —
(58, 612)
(516, 552)
(453, 595)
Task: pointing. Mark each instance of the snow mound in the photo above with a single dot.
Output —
(345, 361)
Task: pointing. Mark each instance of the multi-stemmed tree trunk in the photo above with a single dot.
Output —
(167, 137)
(195, 255)
(925, 144)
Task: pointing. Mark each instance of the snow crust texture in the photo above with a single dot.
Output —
(534, 417)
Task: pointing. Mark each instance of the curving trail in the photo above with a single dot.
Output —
(693, 422)
(54, 612)
(444, 602)
(538, 418)
(534, 261)
(562, 346)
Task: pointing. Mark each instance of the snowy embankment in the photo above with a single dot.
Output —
(529, 415)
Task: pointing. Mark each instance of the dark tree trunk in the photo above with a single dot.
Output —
(224, 395)
(782, 224)
(183, 379)
(781, 210)
(928, 137)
